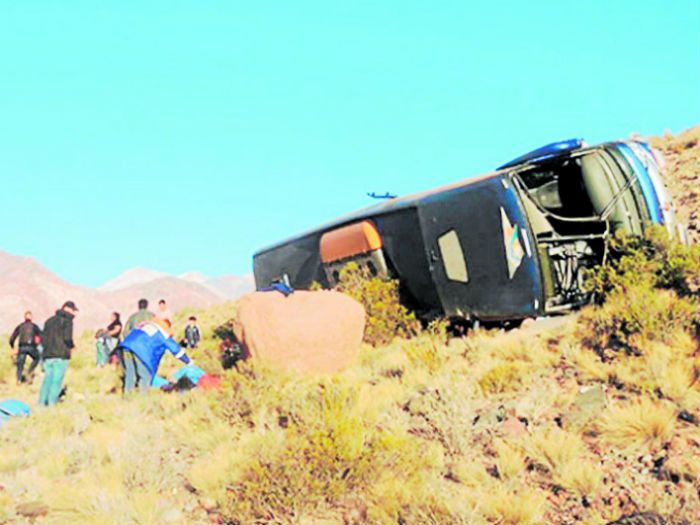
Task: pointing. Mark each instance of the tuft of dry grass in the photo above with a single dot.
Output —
(582, 477)
(512, 507)
(554, 449)
(510, 460)
(638, 426)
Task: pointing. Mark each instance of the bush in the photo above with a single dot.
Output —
(648, 290)
(502, 377)
(329, 453)
(386, 317)
(653, 260)
(632, 318)
(640, 426)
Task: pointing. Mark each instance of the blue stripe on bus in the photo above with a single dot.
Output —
(550, 150)
(650, 196)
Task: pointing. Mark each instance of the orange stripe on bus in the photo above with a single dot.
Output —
(355, 239)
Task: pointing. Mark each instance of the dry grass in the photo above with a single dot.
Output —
(638, 426)
(554, 449)
(513, 507)
(582, 477)
(414, 434)
(510, 460)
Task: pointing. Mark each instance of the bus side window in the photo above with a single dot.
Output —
(453, 257)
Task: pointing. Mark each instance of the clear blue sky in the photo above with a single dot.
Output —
(184, 135)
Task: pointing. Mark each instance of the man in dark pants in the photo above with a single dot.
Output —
(141, 316)
(144, 348)
(29, 336)
(58, 343)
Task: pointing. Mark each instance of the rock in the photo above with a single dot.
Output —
(306, 331)
(514, 428)
(588, 404)
(32, 509)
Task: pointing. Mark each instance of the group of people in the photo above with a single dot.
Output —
(138, 346)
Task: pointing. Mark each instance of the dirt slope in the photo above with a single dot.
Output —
(682, 152)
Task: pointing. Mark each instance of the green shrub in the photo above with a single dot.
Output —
(502, 377)
(653, 260)
(386, 316)
(648, 289)
(429, 350)
(330, 452)
(633, 317)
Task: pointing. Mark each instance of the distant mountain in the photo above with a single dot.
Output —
(25, 284)
(231, 286)
(130, 278)
(226, 287)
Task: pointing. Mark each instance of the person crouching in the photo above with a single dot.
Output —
(143, 350)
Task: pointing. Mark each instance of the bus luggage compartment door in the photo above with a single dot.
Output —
(360, 243)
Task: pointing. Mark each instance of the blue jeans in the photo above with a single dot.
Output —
(102, 351)
(105, 347)
(135, 374)
(54, 373)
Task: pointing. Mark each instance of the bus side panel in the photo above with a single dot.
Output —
(403, 247)
(504, 279)
(406, 254)
(298, 260)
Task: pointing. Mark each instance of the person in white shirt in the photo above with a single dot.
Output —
(164, 313)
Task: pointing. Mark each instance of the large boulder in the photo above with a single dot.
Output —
(305, 331)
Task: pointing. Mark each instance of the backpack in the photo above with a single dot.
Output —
(26, 335)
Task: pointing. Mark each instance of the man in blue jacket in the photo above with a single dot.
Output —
(143, 348)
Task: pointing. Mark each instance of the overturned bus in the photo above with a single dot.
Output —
(504, 246)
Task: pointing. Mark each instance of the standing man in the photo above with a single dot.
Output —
(29, 336)
(58, 343)
(139, 317)
(164, 313)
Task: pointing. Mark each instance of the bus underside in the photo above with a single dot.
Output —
(574, 204)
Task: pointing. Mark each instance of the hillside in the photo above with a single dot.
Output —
(682, 154)
(25, 284)
(518, 428)
(571, 420)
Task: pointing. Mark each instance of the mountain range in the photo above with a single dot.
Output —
(25, 284)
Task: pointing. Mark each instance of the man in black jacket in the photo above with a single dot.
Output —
(29, 336)
(58, 343)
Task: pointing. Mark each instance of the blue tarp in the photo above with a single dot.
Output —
(12, 408)
(159, 382)
(191, 372)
